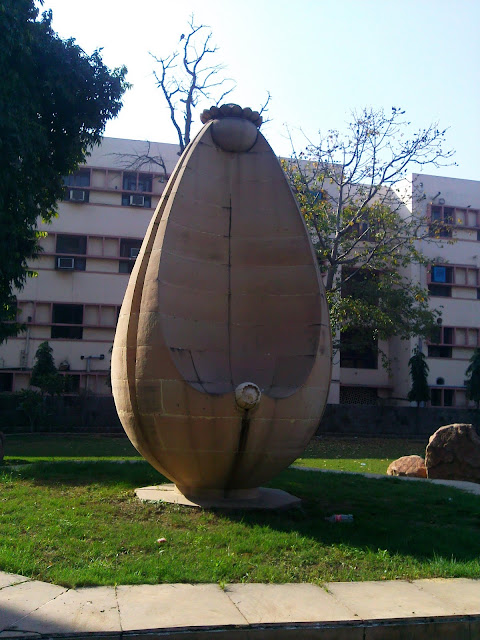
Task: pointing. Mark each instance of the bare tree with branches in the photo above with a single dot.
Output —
(185, 76)
(354, 194)
(146, 161)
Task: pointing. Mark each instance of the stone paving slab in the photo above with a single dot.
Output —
(175, 605)
(277, 603)
(390, 599)
(7, 579)
(460, 595)
(384, 610)
(19, 600)
(92, 609)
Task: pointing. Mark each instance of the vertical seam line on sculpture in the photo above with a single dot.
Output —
(196, 372)
(229, 295)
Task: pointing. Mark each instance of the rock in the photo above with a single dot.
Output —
(453, 453)
(411, 466)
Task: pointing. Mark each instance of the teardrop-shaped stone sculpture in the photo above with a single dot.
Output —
(221, 360)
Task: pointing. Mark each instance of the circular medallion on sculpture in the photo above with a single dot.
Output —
(221, 361)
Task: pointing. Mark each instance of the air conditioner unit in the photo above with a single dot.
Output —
(77, 195)
(65, 263)
(134, 252)
(137, 201)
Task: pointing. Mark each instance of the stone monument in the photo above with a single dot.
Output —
(222, 356)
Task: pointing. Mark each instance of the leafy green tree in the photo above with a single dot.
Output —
(45, 375)
(54, 104)
(31, 403)
(473, 378)
(357, 203)
(419, 374)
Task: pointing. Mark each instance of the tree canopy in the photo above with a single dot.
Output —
(473, 378)
(54, 105)
(364, 222)
(45, 375)
(419, 369)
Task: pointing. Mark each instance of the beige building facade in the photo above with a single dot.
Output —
(92, 245)
(84, 267)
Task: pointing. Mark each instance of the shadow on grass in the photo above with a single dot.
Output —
(331, 448)
(415, 519)
(75, 473)
(5, 464)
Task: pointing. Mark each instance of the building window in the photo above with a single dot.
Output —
(363, 356)
(439, 351)
(442, 220)
(129, 251)
(441, 279)
(68, 245)
(447, 337)
(71, 383)
(440, 291)
(441, 274)
(71, 244)
(75, 186)
(80, 178)
(362, 229)
(358, 395)
(137, 184)
(442, 397)
(67, 320)
(441, 341)
(6, 382)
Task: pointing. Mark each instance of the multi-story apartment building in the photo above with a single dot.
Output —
(91, 247)
(452, 279)
(453, 282)
(85, 264)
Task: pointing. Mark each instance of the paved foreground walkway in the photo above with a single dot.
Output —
(398, 610)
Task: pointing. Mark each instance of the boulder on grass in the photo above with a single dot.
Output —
(453, 453)
(410, 466)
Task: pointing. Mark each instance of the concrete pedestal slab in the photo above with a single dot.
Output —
(264, 499)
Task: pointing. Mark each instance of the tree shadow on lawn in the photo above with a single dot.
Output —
(351, 448)
(423, 521)
(72, 473)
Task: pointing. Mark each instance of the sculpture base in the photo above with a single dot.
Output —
(260, 498)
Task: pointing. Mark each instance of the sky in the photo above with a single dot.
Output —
(319, 59)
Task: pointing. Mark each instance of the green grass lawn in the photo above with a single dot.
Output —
(35, 447)
(80, 524)
(372, 455)
(361, 455)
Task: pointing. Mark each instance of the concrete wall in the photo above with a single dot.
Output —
(385, 421)
(97, 414)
